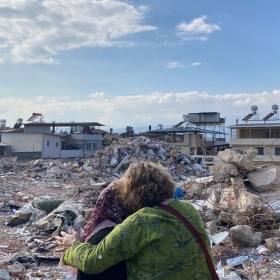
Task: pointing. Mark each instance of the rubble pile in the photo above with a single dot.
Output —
(41, 197)
(82, 180)
(238, 192)
(113, 161)
(244, 199)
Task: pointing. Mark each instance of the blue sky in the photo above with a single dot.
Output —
(138, 62)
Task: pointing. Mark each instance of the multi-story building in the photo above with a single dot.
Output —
(39, 139)
(197, 134)
(262, 134)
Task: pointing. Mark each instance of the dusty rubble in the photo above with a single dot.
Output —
(244, 199)
(40, 198)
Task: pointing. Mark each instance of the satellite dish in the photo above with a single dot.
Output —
(217, 238)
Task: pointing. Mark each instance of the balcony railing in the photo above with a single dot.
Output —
(255, 141)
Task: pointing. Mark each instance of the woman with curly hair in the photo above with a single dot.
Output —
(154, 243)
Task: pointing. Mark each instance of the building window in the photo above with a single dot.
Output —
(260, 151)
(48, 143)
(56, 144)
(277, 151)
(92, 146)
(274, 134)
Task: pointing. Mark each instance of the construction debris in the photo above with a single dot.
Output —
(265, 179)
(243, 236)
(40, 198)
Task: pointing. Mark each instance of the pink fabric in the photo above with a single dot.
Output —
(106, 208)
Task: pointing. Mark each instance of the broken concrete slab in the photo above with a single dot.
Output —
(243, 236)
(252, 153)
(222, 171)
(265, 179)
(231, 169)
(249, 203)
(212, 227)
(241, 161)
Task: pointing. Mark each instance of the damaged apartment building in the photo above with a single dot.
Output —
(196, 134)
(39, 139)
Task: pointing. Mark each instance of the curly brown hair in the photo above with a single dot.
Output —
(145, 184)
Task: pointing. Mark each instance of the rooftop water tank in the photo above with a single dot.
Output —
(3, 123)
(275, 108)
(254, 109)
(20, 121)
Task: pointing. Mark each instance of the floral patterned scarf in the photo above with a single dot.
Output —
(105, 209)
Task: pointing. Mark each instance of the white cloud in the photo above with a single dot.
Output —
(189, 31)
(197, 38)
(37, 31)
(196, 64)
(174, 64)
(99, 95)
(153, 108)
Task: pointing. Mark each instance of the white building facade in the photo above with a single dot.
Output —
(41, 140)
(264, 137)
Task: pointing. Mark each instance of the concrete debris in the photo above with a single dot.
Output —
(211, 227)
(233, 164)
(249, 203)
(265, 179)
(244, 162)
(40, 198)
(222, 171)
(273, 243)
(216, 195)
(243, 236)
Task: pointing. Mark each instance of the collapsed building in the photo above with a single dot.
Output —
(41, 197)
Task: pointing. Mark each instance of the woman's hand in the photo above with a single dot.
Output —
(67, 239)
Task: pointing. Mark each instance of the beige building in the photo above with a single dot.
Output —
(186, 143)
(191, 141)
(39, 145)
(263, 136)
(51, 140)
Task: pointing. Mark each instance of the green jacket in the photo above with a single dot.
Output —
(154, 243)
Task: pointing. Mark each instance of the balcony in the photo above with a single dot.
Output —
(254, 142)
